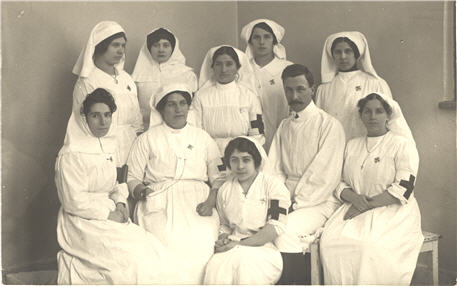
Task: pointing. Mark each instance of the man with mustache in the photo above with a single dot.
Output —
(307, 154)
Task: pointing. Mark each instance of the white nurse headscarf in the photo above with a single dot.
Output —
(85, 63)
(156, 117)
(328, 67)
(278, 49)
(147, 69)
(397, 123)
(245, 73)
(80, 139)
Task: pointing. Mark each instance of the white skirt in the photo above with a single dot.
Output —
(245, 265)
(172, 217)
(379, 246)
(107, 252)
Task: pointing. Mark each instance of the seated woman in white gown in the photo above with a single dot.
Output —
(226, 105)
(160, 62)
(171, 169)
(99, 243)
(252, 208)
(375, 236)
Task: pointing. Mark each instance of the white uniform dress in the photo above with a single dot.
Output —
(227, 111)
(307, 154)
(340, 91)
(149, 76)
(379, 246)
(242, 215)
(268, 79)
(175, 164)
(96, 250)
(127, 120)
(127, 117)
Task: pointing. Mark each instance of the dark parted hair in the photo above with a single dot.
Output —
(349, 42)
(362, 102)
(101, 47)
(226, 50)
(263, 26)
(161, 104)
(99, 95)
(242, 145)
(294, 70)
(160, 34)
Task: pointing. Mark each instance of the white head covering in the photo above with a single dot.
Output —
(397, 123)
(278, 49)
(156, 117)
(259, 147)
(80, 139)
(147, 69)
(85, 63)
(246, 73)
(328, 67)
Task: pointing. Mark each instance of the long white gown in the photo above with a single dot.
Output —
(242, 216)
(379, 246)
(227, 111)
(271, 93)
(176, 163)
(96, 250)
(127, 117)
(307, 155)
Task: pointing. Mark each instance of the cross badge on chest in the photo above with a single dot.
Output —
(272, 81)
(358, 88)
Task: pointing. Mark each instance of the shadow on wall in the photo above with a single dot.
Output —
(32, 217)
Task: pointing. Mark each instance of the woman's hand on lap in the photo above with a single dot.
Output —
(226, 247)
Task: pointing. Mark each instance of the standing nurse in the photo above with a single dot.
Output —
(268, 59)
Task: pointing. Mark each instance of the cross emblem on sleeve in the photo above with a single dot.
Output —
(408, 185)
(275, 210)
(258, 123)
(222, 167)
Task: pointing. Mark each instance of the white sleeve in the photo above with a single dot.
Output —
(342, 185)
(224, 227)
(72, 181)
(138, 117)
(256, 125)
(137, 161)
(214, 160)
(406, 166)
(195, 116)
(279, 203)
(80, 91)
(324, 172)
(274, 164)
(120, 193)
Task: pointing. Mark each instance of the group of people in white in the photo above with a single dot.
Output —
(233, 174)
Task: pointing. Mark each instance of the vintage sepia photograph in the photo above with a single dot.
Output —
(228, 142)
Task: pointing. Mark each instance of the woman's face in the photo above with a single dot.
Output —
(261, 42)
(375, 118)
(242, 165)
(225, 69)
(99, 119)
(175, 111)
(161, 50)
(114, 52)
(344, 56)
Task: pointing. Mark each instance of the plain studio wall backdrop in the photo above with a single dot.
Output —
(42, 40)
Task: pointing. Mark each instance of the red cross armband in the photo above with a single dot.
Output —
(277, 210)
(258, 123)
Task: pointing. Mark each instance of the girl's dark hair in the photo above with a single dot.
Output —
(161, 104)
(160, 34)
(264, 26)
(101, 47)
(99, 95)
(226, 50)
(296, 70)
(349, 42)
(242, 145)
(361, 104)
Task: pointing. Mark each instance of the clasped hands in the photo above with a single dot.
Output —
(224, 243)
(359, 205)
(120, 214)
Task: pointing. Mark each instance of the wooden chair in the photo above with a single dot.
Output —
(430, 244)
